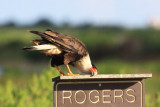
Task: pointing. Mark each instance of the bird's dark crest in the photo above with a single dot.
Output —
(94, 66)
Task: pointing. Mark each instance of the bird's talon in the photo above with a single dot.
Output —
(72, 74)
(62, 74)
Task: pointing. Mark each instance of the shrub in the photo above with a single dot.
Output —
(37, 93)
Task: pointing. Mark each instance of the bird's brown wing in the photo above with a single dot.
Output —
(70, 41)
(76, 44)
(65, 42)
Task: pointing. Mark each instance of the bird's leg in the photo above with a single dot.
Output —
(62, 74)
(69, 71)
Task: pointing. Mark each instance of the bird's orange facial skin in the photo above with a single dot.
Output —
(93, 69)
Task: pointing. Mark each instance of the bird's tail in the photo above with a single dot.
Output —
(29, 48)
(38, 47)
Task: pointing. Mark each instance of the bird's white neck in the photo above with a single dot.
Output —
(84, 64)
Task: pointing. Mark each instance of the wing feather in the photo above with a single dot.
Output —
(65, 42)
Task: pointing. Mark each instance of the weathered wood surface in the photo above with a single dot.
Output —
(105, 76)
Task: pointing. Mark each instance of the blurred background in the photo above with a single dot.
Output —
(121, 36)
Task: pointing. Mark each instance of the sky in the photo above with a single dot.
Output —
(99, 12)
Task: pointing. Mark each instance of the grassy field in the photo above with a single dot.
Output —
(26, 76)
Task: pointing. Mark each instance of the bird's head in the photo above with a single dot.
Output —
(93, 70)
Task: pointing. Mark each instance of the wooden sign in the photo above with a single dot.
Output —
(125, 90)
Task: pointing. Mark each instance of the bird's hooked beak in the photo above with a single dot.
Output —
(93, 71)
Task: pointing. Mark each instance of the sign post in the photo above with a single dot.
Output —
(110, 90)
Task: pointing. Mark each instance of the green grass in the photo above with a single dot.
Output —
(38, 92)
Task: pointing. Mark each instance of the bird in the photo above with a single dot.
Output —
(63, 50)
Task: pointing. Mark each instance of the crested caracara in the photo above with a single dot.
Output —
(64, 49)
